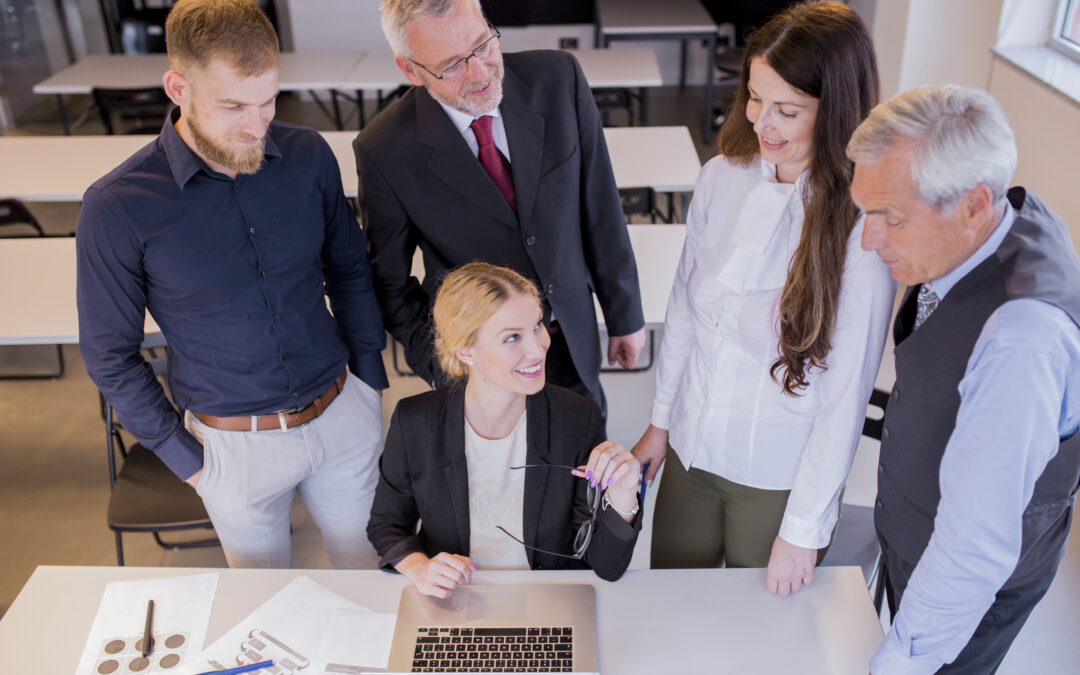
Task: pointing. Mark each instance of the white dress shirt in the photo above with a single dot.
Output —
(496, 497)
(714, 393)
(462, 121)
(1019, 395)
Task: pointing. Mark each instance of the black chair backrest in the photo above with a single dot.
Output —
(872, 426)
(147, 106)
(14, 212)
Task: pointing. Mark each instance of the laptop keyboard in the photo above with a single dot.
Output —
(486, 650)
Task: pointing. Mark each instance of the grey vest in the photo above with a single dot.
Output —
(1036, 260)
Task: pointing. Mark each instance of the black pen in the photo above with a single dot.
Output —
(146, 646)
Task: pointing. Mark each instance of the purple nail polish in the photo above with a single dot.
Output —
(609, 481)
(588, 474)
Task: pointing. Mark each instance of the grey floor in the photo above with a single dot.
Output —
(54, 486)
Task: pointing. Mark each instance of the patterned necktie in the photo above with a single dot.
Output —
(497, 166)
(927, 303)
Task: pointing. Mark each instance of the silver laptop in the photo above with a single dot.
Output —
(540, 628)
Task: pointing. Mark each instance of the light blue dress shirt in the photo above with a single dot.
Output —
(1019, 395)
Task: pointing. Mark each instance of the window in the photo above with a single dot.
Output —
(1066, 34)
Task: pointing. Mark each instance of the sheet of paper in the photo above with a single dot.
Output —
(288, 628)
(181, 615)
(355, 642)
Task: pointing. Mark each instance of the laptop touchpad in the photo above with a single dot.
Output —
(496, 605)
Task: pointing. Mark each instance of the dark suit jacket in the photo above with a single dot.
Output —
(424, 477)
(421, 186)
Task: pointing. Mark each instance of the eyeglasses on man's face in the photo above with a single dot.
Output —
(457, 70)
(585, 529)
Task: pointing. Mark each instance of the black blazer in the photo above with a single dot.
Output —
(424, 478)
(420, 185)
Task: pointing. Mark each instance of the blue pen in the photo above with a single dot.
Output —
(644, 468)
(240, 669)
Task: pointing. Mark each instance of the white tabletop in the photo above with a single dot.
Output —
(650, 621)
(633, 67)
(651, 17)
(298, 71)
(39, 273)
(38, 303)
(60, 168)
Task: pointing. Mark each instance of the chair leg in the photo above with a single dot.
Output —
(119, 550)
(176, 546)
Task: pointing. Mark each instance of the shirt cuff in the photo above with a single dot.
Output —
(182, 453)
(892, 659)
(661, 415)
(807, 533)
(368, 366)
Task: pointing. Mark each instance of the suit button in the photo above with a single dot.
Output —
(530, 241)
(550, 289)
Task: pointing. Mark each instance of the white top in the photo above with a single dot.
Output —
(463, 120)
(496, 497)
(724, 412)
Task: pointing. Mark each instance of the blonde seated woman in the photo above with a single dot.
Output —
(501, 470)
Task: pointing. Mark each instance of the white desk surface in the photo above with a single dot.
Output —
(38, 303)
(39, 307)
(60, 168)
(298, 71)
(642, 16)
(633, 67)
(650, 621)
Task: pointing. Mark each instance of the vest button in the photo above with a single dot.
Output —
(530, 241)
(885, 432)
(881, 469)
(880, 505)
(896, 393)
(550, 289)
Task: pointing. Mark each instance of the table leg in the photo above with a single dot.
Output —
(643, 97)
(337, 110)
(360, 108)
(682, 63)
(710, 56)
(63, 114)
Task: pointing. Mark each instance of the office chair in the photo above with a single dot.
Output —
(17, 221)
(855, 541)
(147, 107)
(146, 496)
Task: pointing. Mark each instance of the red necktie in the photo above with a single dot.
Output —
(497, 166)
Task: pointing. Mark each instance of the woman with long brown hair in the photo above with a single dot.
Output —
(777, 319)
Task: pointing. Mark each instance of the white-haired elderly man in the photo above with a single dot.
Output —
(499, 158)
(980, 458)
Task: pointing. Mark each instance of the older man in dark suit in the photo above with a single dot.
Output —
(499, 160)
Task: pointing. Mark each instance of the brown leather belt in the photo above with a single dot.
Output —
(285, 420)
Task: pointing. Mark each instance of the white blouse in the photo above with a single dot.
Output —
(496, 497)
(714, 394)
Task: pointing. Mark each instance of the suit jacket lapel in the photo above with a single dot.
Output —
(456, 468)
(538, 445)
(525, 135)
(453, 163)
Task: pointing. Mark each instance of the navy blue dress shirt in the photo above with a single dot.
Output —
(234, 272)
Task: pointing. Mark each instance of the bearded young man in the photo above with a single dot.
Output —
(502, 159)
(227, 228)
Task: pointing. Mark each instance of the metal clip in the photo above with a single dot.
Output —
(283, 421)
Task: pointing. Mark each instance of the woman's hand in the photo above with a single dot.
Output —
(790, 567)
(436, 576)
(612, 468)
(651, 450)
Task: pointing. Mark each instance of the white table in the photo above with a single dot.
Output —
(38, 302)
(298, 71)
(39, 273)
(681, 20)
(603, 68)
(650, 621)
(60, 168)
